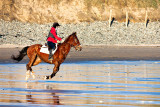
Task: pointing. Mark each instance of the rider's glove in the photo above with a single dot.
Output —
(58, 41)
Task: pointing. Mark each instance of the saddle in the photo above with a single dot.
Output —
(44, 49)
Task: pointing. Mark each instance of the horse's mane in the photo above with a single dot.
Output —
(67, 39)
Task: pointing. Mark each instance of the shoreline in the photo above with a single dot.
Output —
(94, 53)
(105, 45)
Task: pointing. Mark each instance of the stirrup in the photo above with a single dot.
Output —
(50, 59)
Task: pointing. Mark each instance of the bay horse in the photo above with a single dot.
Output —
(37, 57)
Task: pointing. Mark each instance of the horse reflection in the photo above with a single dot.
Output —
(33, 99)
(53, 101)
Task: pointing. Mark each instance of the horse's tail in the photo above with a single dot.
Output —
(22, 53)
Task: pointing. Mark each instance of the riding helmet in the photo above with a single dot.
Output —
(55, 24)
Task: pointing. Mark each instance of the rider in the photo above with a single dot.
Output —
(52, 39)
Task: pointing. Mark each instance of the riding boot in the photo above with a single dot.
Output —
(50, 55)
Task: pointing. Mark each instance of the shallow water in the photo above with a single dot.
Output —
(92, 83)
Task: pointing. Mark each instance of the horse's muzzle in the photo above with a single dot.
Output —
(78, 48)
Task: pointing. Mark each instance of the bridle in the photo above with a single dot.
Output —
(76, 46)
(75, 40)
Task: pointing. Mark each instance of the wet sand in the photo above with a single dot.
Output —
(95, 53)
(91, 83)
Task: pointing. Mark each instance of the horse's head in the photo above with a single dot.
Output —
(75, 42)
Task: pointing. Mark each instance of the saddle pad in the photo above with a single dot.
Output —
(44, 49)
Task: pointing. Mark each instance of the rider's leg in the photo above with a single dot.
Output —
(50, 55)
(51, 48)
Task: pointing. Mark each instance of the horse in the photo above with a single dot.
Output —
(36, 57)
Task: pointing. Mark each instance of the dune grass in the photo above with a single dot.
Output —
(119, 3)
(124, 3)
(67, 11)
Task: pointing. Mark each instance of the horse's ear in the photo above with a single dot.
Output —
(74, 33)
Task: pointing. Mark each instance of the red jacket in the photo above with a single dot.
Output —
(52, 37)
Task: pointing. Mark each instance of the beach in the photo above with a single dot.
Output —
(93, 53)
(99, 75)
(118, 66)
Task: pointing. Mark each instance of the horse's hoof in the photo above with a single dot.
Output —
(27, 75)
(46, 77)
(26, 78)
(33, 76)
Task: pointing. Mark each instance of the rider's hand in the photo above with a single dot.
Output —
(58, 41)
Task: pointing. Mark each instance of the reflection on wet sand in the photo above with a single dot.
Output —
(33, 99)
(97, 83)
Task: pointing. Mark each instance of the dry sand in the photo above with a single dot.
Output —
(94, 53)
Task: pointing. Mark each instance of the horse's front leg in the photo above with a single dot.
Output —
(55, 70)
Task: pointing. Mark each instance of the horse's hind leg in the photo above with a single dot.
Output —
(36, 62)
(29, 65)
